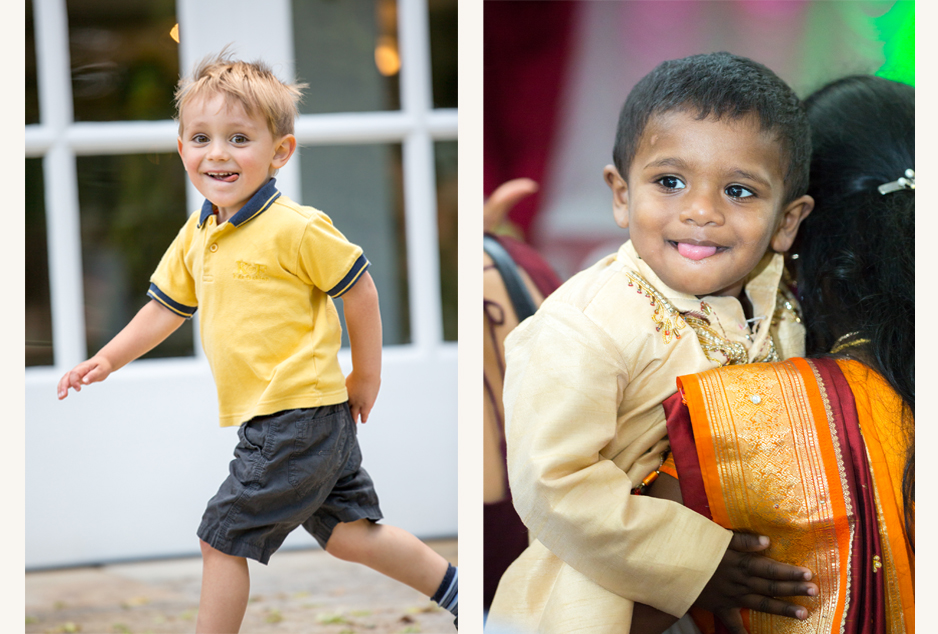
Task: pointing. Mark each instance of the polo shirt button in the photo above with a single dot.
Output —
(213, 248)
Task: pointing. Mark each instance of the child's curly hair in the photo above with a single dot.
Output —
(252, 84)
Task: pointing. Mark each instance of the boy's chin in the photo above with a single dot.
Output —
(700, 291)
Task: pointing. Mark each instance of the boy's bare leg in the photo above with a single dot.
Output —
(225, 589)
(391, 551)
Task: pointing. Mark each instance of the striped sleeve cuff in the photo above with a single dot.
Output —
(180, 309)
(361, 265)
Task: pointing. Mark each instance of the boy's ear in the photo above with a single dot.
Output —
(620, 197)
(788, 224)
(284, 150)
(179, 145)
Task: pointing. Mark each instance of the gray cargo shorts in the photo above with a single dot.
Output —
(299, 467)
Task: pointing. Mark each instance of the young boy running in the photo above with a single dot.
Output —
(264, 270)
(711, 168)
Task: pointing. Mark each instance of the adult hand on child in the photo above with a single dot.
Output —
(87, 372)
(745, 579)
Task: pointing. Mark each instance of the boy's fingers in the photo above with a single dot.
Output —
(74, 379)
(774, 606)
(773, 588)
(748, 543)
(766, 568)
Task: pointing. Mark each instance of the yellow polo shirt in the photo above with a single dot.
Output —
(265, 282)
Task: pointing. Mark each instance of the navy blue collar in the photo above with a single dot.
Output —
(262, 199)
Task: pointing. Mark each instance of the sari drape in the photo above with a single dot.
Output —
(805, 452)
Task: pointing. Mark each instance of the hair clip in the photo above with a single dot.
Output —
(906, 182)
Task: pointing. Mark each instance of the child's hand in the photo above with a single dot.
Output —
(362, 393)
(747, 580)
(93, 370)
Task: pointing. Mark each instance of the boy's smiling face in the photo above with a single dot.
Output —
(228, 154)
(704, 200)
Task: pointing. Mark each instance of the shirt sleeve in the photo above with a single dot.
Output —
(564, 381)
(326, 259)
(172, 284)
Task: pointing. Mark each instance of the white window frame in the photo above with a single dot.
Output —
(58, 140)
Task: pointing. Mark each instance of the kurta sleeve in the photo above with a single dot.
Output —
(326, 259)
(564, 381)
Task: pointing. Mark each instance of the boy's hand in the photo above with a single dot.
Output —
(93, 370)
(747, 580)
(362, 393)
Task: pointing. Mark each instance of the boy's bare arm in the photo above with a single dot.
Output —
(742, 579)
(151, 325)
(363, 320)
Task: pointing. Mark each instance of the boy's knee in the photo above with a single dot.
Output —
(348, 541)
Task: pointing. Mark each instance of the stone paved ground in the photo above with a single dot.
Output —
(300, 591)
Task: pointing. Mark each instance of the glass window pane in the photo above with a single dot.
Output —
(125, 63)
(132, 206)
(447, 188)
(38, 304)
(347, 52)
(369, 212)
(32, 82)
(443, 51)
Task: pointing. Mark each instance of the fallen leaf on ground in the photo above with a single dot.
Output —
(327, 619)
(135, 602)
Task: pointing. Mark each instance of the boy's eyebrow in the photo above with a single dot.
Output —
(668, 162)
(672, 161)
(751, 176)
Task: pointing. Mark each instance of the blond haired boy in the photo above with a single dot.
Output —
(264, 270)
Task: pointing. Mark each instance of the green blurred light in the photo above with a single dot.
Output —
(897, 32)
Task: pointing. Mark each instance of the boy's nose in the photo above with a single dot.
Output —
(217, 151)
(703, 209)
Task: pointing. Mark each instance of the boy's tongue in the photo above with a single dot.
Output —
(695, 251)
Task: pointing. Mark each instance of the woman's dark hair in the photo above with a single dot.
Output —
(856, 250)
(718, 85)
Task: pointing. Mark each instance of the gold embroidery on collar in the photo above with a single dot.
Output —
(666, 316)
(671, 320)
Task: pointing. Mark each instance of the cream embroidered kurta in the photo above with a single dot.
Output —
(583, 391)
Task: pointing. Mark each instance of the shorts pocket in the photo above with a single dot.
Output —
(254, 433)
(316, 459)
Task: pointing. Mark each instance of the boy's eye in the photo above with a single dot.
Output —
(738, 191)
(671, 182)
(200, 138)
(239, 138)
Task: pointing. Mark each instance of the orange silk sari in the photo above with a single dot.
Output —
(809, 453)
